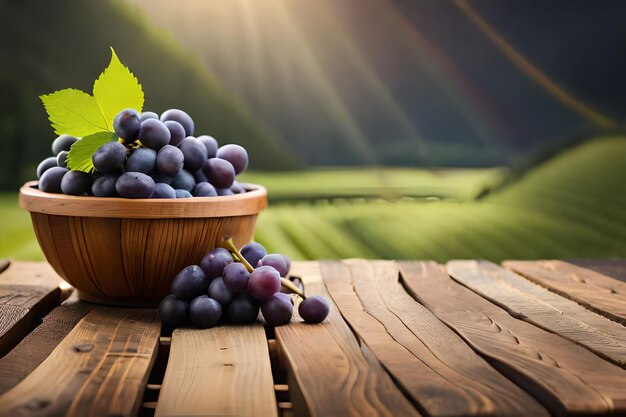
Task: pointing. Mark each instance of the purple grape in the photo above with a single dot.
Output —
(263, 283)
(204, 312)
(190, 283)
(135, 185)
(173, 312)
(162, 190)
(195, 153)
(314, 309)
(154, 134)
(204, 189)
(211, 145)
(169, 160)
(109, 157)
(181, 117)
(45, 165)
(224, 191)
(253, 252)
(142, 160)
(126, 125)
(184, 180)
(237, 188)
(220, 292)
(50, 180)
(199, 176)
(63, 143)
(243, 309)
(104, 185)
(277, 261)
(183, 194)
(62, 159)
(236, 155)
(236, 276)
(148, 115)
(177, 132)
(287, 263)
(76, 183)
(219, 172)
(158, 177)
(277, 310)
(215, 261)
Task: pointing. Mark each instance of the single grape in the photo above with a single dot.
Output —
(190, 283)
(277, 310)
(142, 160)
(236, 155)
(135, 185)
(204, 312)
(220, 172)
(104, 185)
(264, 281)
(62, 159)
(177, 132)
(243, 309)
(158, 177)
(253, 252)
(277, 261)
(183, 194)
(199, 176)
(162, 190)
(237, 188)
(76, 183)
(50, 180)
(224, 191)
(204, 189)
(220, 292)
(184, 180)
(287, 263)
(126, 125)
(170, 160)
(109, 157)
(63, 143)
(215, 261)
(154, 134)
(314, 309)
(236, 276)
(148, 115)
(211, 145)
(181, 117)
(195, 153)
(46, 164)
(173, 312)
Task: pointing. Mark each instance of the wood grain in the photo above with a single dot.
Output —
(614, 268)
(528, 301)
(329, 373)
(564, 376)
(222, 371)
(99, 369)
(244, 204)
(602, 294)
(433, 365)
(39, 343)
(28, 291)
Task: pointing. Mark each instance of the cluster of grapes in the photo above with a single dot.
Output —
(222, 288)
(156, 158)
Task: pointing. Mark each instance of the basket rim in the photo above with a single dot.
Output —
(249, 203)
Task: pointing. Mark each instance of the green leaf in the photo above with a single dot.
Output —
(74, 112)
(117, 89)
(79, 156)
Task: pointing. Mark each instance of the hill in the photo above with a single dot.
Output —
(48, 46)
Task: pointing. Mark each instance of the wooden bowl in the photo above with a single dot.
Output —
(126, 252)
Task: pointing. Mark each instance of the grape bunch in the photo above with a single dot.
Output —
(155, 157)
(225, 288)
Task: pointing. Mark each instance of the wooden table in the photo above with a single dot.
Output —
(531, 338)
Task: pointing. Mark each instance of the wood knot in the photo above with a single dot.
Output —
(36, 405)
(83, 347)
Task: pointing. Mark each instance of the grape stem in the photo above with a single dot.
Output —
(228, 244)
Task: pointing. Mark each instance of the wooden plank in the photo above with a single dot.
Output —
(329, 373)
(28, 291)
(100, 368)
(528, 301)
(614, 268)
(220, 371)
(602, 294)
(433, 365)
(38, 344)
(564, 376)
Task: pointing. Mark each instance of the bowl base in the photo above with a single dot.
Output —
(118, 302)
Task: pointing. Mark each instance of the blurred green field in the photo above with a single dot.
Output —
(573, 206)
